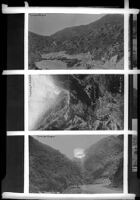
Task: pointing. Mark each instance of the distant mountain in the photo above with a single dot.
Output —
(100, 41)
(102, 27)
(50, 170)
(105, 160)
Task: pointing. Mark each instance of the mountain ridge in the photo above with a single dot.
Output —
(52, 171)
(100, 40)
(95, 24)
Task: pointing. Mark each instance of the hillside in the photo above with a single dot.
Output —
(57, 116)
(92, 102)
(104, 160)
(50, 171)
(96, 45)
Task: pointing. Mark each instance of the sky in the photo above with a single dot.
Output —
(48, 24)
(68, 144)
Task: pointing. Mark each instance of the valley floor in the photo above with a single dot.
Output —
(61, 60)
(93, 189)
(99, 188)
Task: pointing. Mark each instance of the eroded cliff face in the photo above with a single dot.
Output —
(90, 102)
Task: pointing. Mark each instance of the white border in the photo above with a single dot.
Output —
(76, 71)
(116, 196)
(67, 10)
(126, 105)
(69, 132)
(26, 138)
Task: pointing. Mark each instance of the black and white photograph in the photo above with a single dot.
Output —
(134, 153)
(76, 164)
(134, 43)
(70, 98)
(133, 102)
(133, 120)
(76, 41)
(133, 177)
(76, 102)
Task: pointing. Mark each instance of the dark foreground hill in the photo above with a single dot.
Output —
(50, 170)
(99, 42)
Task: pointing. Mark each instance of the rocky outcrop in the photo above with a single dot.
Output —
(91, 102)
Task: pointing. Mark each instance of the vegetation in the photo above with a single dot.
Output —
(105, 160)
(51, 171)
(91, 102)
(102, 40)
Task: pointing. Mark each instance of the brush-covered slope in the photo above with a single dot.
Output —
(50, 171)
(96, 102)
(105, 160)
(100, 33)
(92, 102)
(100, 41)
